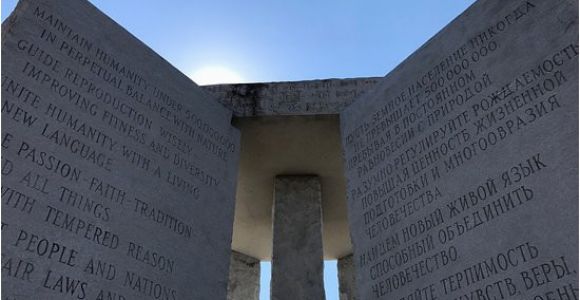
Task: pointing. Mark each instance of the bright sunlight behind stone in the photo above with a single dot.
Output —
(215, 75)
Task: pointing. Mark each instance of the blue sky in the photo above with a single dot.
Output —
(264, 41)
(282, 40)
(330, 280)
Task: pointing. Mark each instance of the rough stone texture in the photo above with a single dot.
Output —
(462, 165)
(244, 283)
(312, 97)
(297, 266)
(346, 278)
(118, 172)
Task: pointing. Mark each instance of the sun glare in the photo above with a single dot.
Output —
(215, 75)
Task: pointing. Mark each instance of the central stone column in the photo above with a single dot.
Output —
(297, 263)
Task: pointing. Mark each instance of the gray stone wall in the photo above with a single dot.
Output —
(462, 164)
(118, 172)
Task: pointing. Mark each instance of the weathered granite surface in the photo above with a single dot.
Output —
(310, 97)
(347, 278)
(462, 165)
(244, 283)
(297, 265)
(118, 172)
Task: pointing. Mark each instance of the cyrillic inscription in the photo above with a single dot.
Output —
(456, 167)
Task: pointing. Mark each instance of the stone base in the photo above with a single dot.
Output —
(347, 278)
(244, 279)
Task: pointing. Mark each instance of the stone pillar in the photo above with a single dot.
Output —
(244, 279)
(347, 278)
(297, 263)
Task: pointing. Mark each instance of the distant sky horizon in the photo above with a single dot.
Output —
(267, 41)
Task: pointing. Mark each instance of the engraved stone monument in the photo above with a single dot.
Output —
(462, 164)
(122, 179)
(118, 172)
